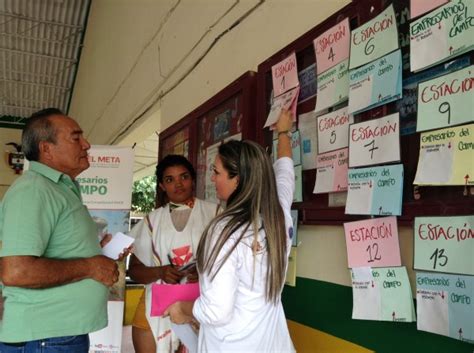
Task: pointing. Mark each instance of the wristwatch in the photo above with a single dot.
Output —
(286, 132)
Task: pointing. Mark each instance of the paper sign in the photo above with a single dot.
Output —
(332, 46)
(420, 7)
(307, 125)
(374, 39)
(294, 235)
(443, 33)
(446, 157)
(116, 245)
(372, 242)
(375, 141)
(445, 244)
(385, 297)
(285, 75)
(307, 78)
(290, 278)
(445, 306)
(163, 295)
(333, 87)
(333, 130)
(376, 83)
(287, 101)
(331, 172)
(446, 100)
(298, 195)
(375, 190)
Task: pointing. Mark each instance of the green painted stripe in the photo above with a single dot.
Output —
(328, 307)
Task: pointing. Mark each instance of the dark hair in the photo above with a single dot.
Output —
(171, 160)
(254, 201)
(38, 128)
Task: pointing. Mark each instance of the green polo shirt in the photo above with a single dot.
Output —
(42, 215)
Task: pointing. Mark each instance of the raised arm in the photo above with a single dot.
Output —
(283, 126)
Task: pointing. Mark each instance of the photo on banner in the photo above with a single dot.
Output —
(442, 34)
(445, 157)
(374, 141)
(446, 101)
(374, 39)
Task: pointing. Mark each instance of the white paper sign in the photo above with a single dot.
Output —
(375, 141)
(116, 245)
(333, 130)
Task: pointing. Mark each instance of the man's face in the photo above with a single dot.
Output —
(69, 154)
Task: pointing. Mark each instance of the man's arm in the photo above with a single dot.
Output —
(40, 272)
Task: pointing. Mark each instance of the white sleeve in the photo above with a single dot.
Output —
(142, 246)
(285, 181)
(215, 306)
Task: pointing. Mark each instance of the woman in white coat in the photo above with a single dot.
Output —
(243, 254)
(165, 241)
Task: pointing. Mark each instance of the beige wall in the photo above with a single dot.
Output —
(7, 175)
(143, 57)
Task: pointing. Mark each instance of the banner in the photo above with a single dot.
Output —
(106, 189)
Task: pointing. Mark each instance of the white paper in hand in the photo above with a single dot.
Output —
(116, 245)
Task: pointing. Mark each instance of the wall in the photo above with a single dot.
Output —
(146, 56)
(7, 175)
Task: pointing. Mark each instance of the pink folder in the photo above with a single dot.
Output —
(163, 295)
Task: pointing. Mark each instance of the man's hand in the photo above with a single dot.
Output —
(103, 270)
(169, 274)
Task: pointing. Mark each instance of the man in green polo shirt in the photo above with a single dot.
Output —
(55, 278)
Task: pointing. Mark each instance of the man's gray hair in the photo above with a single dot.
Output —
(38, 128)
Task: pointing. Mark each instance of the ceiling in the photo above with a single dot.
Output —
(40, 45)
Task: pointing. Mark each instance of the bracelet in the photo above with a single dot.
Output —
(286, 132)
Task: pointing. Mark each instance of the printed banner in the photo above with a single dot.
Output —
(106, 189)
(384, 295)
(332, 47)
(444, 305)
(443, 33)
(331, 172)
(445, 244)
(446, 100)
(374, 39)
(372, 242)
(375, 141)
(285, 75)
(420, 7)
(446, 157)
(333, 87)
(287, 101)
(333, 130)
(376, 83)
(375, 190)
(307, 125)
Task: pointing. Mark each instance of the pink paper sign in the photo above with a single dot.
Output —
(331, 171)
(332, 47)
(373, 243)
(419, 7)
(285, 75)
(163, 295)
